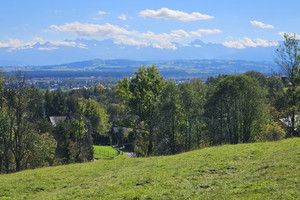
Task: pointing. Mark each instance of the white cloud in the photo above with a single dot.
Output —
(162, 40)
(166, 45)
(16, 44)
(260, 24)
(122, 39)
(165, 13)
(122, 17)
(67, 43)
(297, 36)
(200, 32)
(40, 40)
(247, 42)
(90, 30)
(102, 12)
(47, 48)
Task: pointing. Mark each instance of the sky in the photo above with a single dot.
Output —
(161, 24)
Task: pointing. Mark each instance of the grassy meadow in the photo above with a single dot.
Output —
(107, 152)
(268, 170)
(104, 152)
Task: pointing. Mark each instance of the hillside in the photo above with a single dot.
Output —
(169, 69)
(245, 171)
(47, 54)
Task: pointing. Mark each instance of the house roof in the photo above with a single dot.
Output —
(56, 119)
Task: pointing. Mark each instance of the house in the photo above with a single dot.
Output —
(56, 119)
(287, 121)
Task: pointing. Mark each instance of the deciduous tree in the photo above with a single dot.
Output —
(288, 59)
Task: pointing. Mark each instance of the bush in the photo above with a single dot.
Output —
(272, 132)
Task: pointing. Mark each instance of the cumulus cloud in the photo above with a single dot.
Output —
(168, 14)
(200, 32)
(247, 42)
(165, 40)
(122, 39)
(260, 24)
(67, 43)
(161, 40)
(47, 48)
(16, 44)
(102, 12)
(122, 17)
(90, 30)
(39, 40)
(297, 36)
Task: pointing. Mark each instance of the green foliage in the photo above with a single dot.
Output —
(288, 59)
(169, 120)
(145, 86)
(41, 150)
(261, 78)
(235, 109)
(59, 103)
(272, 132)
(140, 95)
(5, 142)
(245, 171)
(63, 137)
(78, 126)
(97, 117)
(193, 100)
(82, 146)
(36, 104)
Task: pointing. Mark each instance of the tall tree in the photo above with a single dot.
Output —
(235, 108)
(140, 95)
(288, 59)
(49, 108)
(83, 144)
(97, 120)
(169, 122)
(59, 102)
(5, 142)
(16, 93)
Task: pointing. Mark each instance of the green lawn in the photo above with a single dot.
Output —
(246, 171)
(104, 152)
(107, 152)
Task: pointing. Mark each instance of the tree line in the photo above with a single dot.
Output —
(167, 118)
(28, 139)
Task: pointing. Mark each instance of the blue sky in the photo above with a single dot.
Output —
(160, 24)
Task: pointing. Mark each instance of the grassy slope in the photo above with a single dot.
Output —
(245, 171)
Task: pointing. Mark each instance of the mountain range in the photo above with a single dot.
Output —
(82, 49)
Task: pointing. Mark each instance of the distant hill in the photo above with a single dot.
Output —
(45, 54)
(244, 171)
(173, 68)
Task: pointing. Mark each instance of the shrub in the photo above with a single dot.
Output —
(272, 132)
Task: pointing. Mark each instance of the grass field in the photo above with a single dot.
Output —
(107, 152)
(246, 171)
(104, 152)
